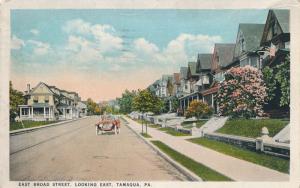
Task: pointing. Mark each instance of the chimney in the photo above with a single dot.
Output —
(28, 88)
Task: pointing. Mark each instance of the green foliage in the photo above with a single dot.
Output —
(145, 135)
(252, 127)
(92, 107)
(198, 109)
(204, 172)
(269, 78)
(28, 124)
(145, 101)
(278, 76)
(111, 110)
(15, 98)
(125, 102)
(283, 78)
(272, 162)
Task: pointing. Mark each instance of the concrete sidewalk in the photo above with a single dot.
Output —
(236, 169)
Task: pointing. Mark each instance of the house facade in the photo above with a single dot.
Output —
(247, 43)
(48, 103)
(275, 41)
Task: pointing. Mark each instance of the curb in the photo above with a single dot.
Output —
(26, 130)
(190, 175)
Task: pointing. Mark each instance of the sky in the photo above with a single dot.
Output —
(100, 53)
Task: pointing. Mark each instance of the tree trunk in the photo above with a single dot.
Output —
(146, 127)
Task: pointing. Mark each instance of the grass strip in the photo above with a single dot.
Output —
(252, 127)
(273, 162)
(172, 132)
(29, 124)
(145, 135)
(204, 172)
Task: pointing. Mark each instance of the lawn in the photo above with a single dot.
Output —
(149, 124)
(145, 135)
(262, 159)
(188, 125)
(173, 132)
(204, 172)
(29, 124)
(252, 127)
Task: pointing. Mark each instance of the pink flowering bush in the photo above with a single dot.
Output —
(243, 93)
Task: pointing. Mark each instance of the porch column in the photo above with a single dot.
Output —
(32, 112)
(64, 112)
(45, 112)
(71, 112)
(212, 100)
(49, 112)
(21, 111)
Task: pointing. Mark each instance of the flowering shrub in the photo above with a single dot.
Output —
(198, 109)
(243, 93)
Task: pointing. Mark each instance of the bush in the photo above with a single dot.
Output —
(243, 93)
(198, 109)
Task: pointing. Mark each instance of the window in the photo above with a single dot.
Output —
(46, 99)
(35, 99)
(242, 45)
(287, 45)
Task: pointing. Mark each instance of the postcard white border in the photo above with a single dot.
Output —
(293, 5)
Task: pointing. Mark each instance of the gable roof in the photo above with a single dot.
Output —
(252, 34)
(225, 52)
(192, 68)
(183, 72)
(283, 17)
(38, 85)
(203, 62)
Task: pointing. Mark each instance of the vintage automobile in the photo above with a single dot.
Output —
(108, 124)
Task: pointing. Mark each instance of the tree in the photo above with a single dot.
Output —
(145, 101)
(269, 78)
(243, 93)
(92, 107)
(15, 98)
(277, 81)
(283, 78)
(198, 109)
(125, 102)
(170, 87)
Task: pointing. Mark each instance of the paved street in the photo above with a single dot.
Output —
(72, 151)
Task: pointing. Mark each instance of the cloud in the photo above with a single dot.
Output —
(177, 52)
(39, 48)
(16, 43)
(141, 45)
(104, 36)
(83, 50)
(35, 32)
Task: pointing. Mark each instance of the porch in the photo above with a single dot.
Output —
(37, 112)
(66, 112)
